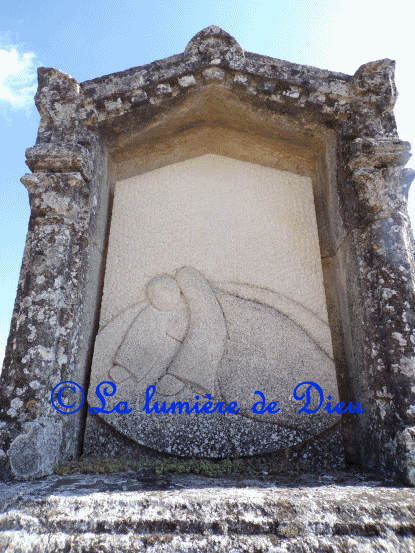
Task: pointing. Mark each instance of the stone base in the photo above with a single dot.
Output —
(337, 512)
(324, 451)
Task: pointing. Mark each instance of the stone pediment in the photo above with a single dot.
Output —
(216, 68)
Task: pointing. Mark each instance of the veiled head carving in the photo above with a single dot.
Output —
(163, 293)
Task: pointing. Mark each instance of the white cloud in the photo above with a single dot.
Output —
(17, 77)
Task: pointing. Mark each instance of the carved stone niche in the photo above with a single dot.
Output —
(215, 224)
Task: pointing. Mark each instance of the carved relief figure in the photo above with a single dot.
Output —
(179, 336)
(226, 339)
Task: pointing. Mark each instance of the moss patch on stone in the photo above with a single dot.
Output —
(174, 465)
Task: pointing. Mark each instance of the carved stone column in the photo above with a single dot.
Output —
(54, 317)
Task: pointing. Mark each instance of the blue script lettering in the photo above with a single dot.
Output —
(341, 405)
(338, 408)
(108, 389)
(121, 407)
(208, 407)
(260, 407)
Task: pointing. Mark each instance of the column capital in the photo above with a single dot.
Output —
(54, 158)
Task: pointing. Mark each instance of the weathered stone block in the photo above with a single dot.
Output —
(175, 513)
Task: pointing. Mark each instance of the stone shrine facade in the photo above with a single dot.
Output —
(212, 225)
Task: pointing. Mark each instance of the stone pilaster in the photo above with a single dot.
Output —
(54, 316)
(376, 261)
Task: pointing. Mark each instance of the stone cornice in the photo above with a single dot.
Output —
(213, 57)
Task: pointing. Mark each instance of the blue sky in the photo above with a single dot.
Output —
(92, 38)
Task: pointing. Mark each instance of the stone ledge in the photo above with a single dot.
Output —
(343, 511)
(60, 159)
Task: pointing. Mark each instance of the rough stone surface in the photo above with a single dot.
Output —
(321, 453)
(215, 98)
(337, 512)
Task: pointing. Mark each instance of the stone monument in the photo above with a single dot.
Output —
(217, 228)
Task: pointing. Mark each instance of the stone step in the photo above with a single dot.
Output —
(126, 512)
